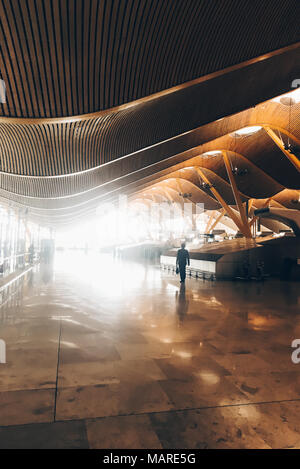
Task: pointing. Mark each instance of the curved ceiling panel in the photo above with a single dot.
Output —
(81, 56)
(255, 183)
(64, 148)
(67, 148)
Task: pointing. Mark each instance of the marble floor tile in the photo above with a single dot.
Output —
(58, 435)
(22, 407)
(28, 369)
(70, 354)
(115, 372)
(221, 428)
(210, 390)
(110, 400)
(268, 387)
(243, 363)
(183, 367)
(126, 432)
(280, 359)
(158, 350)
(277, 423)
(147, 350)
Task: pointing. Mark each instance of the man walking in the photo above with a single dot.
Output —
(183, 259)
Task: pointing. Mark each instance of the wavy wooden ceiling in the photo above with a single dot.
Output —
(91, 110)
(72, 57)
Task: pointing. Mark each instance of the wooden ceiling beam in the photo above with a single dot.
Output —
(291, 157)
(237, 196)
(222, 202)
(217, 220)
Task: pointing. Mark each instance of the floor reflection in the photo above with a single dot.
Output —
(46, 272)
(182, 303)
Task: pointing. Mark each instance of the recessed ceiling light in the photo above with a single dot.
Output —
(288, 99)
(247, 131)
(211, 153)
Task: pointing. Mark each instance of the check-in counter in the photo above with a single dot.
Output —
(197, 268)
(238, 258)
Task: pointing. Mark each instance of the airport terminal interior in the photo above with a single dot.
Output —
(129, 128)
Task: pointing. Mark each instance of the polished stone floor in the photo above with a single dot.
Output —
(109, 354)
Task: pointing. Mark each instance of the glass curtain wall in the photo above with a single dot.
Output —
(19, 240)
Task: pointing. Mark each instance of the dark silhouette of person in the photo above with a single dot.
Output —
(183, 259)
